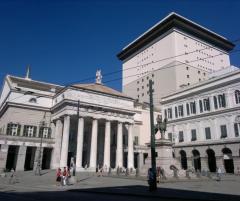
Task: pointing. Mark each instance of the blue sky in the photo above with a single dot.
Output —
(65, 41)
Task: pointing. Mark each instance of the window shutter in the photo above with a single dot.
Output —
(223, 100)
(18, 129)
(176, 112)
(223, 131)
(200, 105)
(34, 131)
(215, 102)
(188, 112)
(49, 132)
(25, 130)
(9, 129)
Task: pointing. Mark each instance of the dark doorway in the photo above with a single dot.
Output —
(29, 160)
(136, 160)
(183, 158)
(125, 159)
(196, 160)
(46, 159)
(211, 160)
(70, 155)
(228, 160)
(12, 157)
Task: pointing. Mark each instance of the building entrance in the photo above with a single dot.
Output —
(196, 160)
(46, 159)
(12, 157)
(183, 157)
(228, 160)
(211, 160)
(29, 160)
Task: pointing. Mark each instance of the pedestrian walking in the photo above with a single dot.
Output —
(219, 174)
(68, 176)
(12, 179)
(64, 176)
(58, 177)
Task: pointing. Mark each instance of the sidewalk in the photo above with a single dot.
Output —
(227, 189)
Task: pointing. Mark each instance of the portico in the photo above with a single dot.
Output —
(95, 132)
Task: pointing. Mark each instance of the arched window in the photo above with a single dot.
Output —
(32, 100)
(237, 96)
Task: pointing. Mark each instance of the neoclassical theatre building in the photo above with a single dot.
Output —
(204, 122)
(90, 123)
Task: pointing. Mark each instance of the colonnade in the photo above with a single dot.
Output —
(60, 153)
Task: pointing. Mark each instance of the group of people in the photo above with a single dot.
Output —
(63, 177)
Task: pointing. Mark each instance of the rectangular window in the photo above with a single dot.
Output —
(201, 106)
(194, 135)
(165, 113)
(188, 110)
(206, 104)
(45, 132)
(170, 136)
(176, 112)
(169, 111)
(13, 129)
(181, 138)
(221, 100)
(215, 102)
(135, 142)
(193, 107)
(208, 133)
(180, 111)
(223, 131)
(236, 129)
(29, 131)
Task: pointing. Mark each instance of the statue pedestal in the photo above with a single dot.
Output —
(164, 155)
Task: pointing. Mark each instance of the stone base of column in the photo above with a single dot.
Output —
(91, 169)
(80, 169)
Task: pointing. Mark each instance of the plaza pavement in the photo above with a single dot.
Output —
(197, 189)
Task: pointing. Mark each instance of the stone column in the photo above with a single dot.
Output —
(93, 152)
(119, 152)
(65, 142)
(212, 107)
(229, 97)
(80, 143)
(3, 156)
(140, 160)
(130, 147)
(107, 144)
(21, 158)
(57, 147)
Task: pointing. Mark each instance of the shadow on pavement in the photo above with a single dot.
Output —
(164, 193)
(126, 193)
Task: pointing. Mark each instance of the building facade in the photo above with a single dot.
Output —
(90, 124)
(204, 123)
(175, 48)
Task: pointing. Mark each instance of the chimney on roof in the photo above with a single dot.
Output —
(27, 77)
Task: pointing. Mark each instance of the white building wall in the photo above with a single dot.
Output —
(148, 58)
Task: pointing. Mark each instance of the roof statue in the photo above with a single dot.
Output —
(98, 77)
(27, 77)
